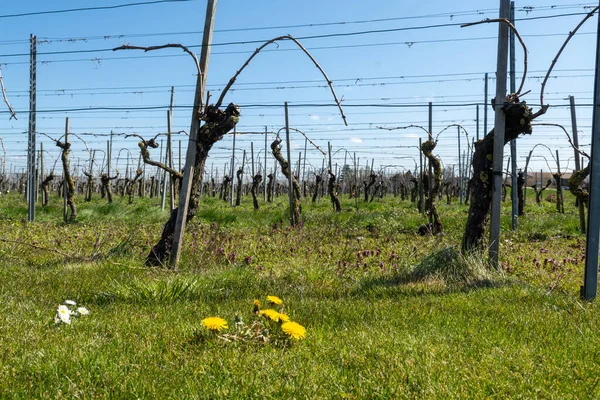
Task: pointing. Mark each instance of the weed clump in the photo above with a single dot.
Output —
(454, 268)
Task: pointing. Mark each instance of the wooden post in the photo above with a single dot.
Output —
(329, 156)
(344, 177)
(65, 173)
(477, 122)
(265, 167)
(289, 160)
(525, 183)
(184, 196)
(460, 171)
(499, 127)
(304, 167)
(164, 183)
(41, 162)
(252, 157)
(421, 199)
(356, 191)
(577, 160)
(233, 170)
(485, 106)
(559, 192)
(108, 157)
(180, 155)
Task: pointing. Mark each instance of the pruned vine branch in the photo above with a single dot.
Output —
(306, 137)
(164, 46)
(516, 32)
(549, 151)
(56, 141)
(578, 150)
(460, 127)
(571, 34)
(429, 136)
(144, 144)
(285, 37)
(12, 112)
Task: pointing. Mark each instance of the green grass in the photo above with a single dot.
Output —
(388, 314)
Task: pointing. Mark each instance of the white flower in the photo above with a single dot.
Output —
(70, 303)
(64, 314)
(83, 311)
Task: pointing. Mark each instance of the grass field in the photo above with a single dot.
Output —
(388, 314)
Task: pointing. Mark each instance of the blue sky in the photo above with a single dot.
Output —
(444, 65)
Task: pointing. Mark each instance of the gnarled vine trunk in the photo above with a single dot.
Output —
(518, 121)
(335, 201)
(559, 194)
(368, 185)
(521, 193)
(238, 194)
(435, 225)
(256, 179)
(538, 192)
(270, 187)
(318, 180)
(285, 169)
(216, 124)
(45, 184)
(105, 181)
(89, 186)
(132, 183)
(68, 179)
(576, 186)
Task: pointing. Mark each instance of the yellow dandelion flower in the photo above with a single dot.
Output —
(256, 306)
(294, 330)
(271, 314)
(274, 300)
(284, 318)
(214, 324)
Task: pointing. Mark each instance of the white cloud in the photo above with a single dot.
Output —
(315, 117)
(356, 140)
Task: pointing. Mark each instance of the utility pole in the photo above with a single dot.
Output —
(186, 186)
(31, 161)
(513, 143)
(590, 285)
(577, 160)
(499, 127)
